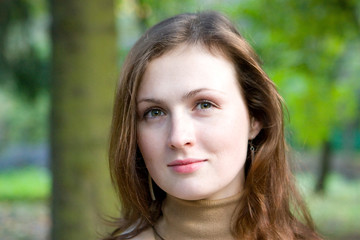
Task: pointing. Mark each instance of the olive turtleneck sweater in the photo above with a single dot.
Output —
(194, 220)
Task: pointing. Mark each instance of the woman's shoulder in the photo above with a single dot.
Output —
(147, 234)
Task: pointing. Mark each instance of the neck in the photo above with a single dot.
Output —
(197, 220)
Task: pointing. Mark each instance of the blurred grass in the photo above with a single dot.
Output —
(24, 184)
(337, 211)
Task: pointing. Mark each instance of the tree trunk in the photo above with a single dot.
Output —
(325, 167)
(84, 70)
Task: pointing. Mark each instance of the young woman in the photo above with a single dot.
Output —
(197, 143)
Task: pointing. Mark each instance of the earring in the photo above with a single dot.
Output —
(252, 150)
(151, 188)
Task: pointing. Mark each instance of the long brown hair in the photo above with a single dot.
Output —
(270, 208)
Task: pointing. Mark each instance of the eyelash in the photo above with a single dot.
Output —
(162, 113)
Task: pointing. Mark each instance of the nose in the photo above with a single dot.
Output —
(181, 132)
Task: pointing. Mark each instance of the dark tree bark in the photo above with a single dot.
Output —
(325, 167)
(83, 82)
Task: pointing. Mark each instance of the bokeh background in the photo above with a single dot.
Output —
(59, 61)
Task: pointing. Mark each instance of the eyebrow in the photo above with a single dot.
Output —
(188, 95)
(193, 93)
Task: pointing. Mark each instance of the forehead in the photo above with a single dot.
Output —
(188, 67)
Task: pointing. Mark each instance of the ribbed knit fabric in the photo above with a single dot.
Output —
(197, 220)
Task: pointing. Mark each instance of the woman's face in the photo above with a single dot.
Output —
(193, 125)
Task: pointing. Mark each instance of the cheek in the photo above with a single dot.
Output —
(149, 145)
(234, 142)
(238, 137)
(230, 137)
(230, 128)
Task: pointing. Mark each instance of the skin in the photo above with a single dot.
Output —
(190, 107)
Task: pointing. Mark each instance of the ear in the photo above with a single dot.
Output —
(255, 127)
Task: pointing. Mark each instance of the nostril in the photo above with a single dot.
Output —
(180, 143)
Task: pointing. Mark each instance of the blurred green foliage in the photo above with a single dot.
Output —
(24, 72)
(24, 47)
(306, 47)
(22, 121)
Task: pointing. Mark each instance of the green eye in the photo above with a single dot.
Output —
(153, 113)
(205, 105)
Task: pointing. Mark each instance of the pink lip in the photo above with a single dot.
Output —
(186, 165)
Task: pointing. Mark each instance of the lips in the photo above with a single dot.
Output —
(186, 165)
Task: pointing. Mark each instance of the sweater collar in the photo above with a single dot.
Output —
(197, 220)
